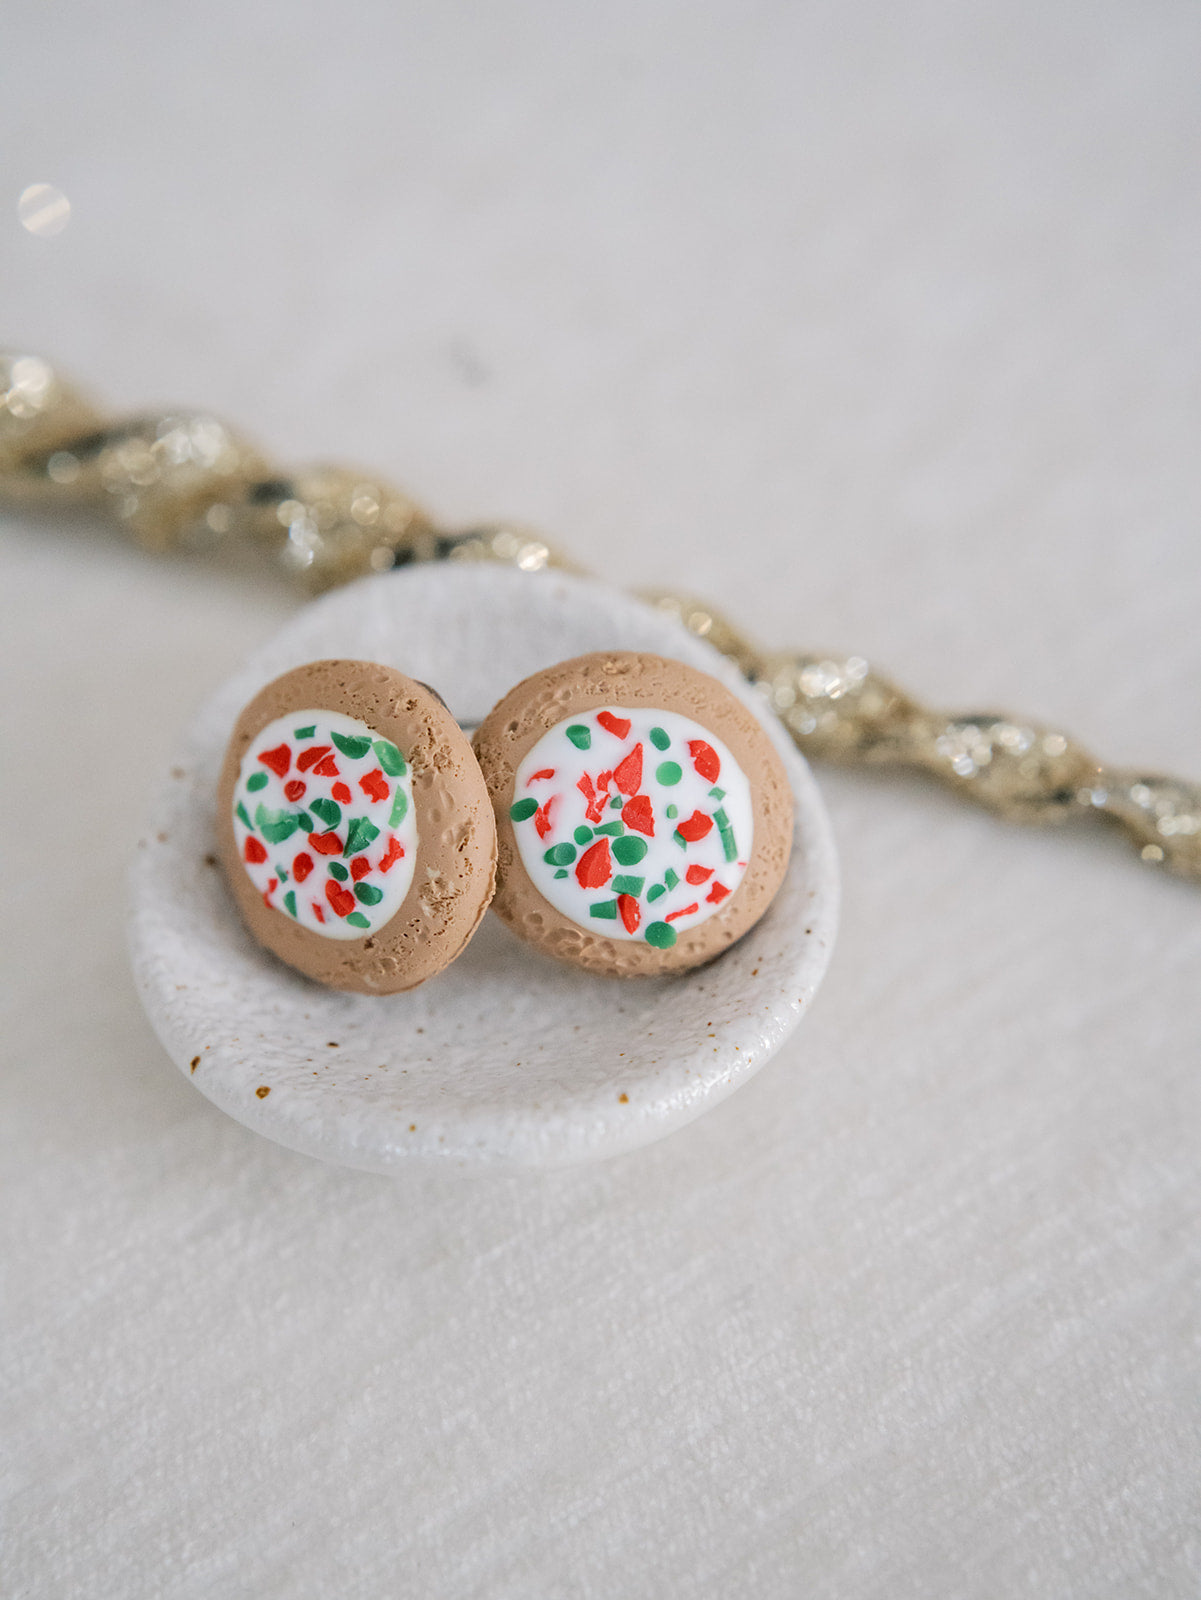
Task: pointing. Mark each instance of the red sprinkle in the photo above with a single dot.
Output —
(279, 759)
(698, 874)
(253, 851)
(684, 911)
(546, 772)
(628, 774)
(372, 783)
(341, 794)
(270, 890)
(717, 894)
(542, 817)
(695, 827)
(326, 844)
(705, 759)
(302, 865)
(630, 913)
(618, 726)
(596, 802)
(311, 757)
(359, 868)
(327, 767)
(317, 911)
(392, 854)
(341, 899)
(295, 788)
(637, 814)
(595, 867)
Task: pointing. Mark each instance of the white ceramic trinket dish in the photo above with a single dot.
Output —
(506, 1058)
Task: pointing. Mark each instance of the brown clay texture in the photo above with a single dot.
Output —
(455, 867)
(632, 679)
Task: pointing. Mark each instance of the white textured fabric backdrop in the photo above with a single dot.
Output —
(880, 324)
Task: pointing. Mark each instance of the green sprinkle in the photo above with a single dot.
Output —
(659, 739)
(305, 821)
(367, 894)
(400, 808)
(275, 826)
(358, 920)
(630, 850)
(389, 758)
(351, 745)
(580, 736)
(280, 873)
(668, 773)
(241, 813)
(582, 835)
(656, 893)
(727, 834)
(623, 885)
(290, 902)
(337, 870)
(616, 829)
(661, 934)
(562, 873)
(523, 809)
(359, 835)
(305, 733)
(680, 839)
(616, 803)
(560, 855)
(329, 811)
(717, 794)
(256, 780)
(670, 878)
(604, 908)
(673, 812)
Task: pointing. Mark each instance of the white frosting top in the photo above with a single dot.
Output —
(635, 823)
(324, 819)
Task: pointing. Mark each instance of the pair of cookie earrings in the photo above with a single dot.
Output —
(620, 812)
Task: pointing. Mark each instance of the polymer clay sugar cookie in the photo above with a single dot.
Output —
(644, 819)
(354, 826)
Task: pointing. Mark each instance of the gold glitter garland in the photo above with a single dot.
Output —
(184, 480)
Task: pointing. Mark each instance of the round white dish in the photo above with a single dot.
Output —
(506, 1058)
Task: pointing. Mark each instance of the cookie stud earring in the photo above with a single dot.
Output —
(644, 818)
(354, 826)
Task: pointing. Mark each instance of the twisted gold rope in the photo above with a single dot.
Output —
(185, 481)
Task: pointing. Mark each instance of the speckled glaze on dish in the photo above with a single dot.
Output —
(641, 684)
(454, 866)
